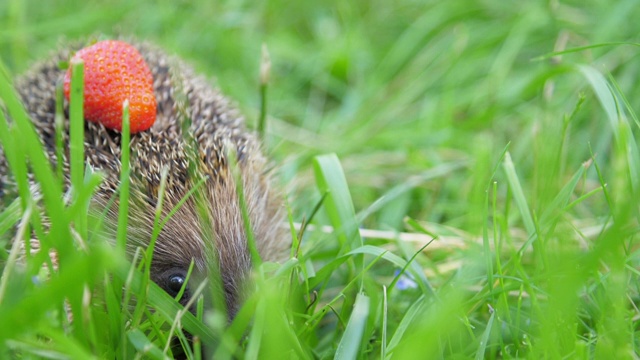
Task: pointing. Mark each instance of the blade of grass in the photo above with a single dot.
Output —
(603, 92)
(582, 48)
(123, 209)
(76, 130)
(144, 346)
(123, 205)
(49, 185)
(363, 250)
(71, 279)
(59, 130)
(13, 254)
(484, 340)
(350, 343)
(13, 152)
(518, 194)
(330, 179)
(257, 331)
(256, 259)
(414, 181)
(10, 216)
(383, 346)
(559, 203)
(417, 307)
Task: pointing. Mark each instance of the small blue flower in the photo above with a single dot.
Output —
(405, 281)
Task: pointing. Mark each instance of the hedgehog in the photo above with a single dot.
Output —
(196, 129)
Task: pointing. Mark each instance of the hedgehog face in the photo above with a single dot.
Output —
(206, 232)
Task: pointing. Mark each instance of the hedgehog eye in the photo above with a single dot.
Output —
(174, 284)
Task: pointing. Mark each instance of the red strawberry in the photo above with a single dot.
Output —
(114, 72)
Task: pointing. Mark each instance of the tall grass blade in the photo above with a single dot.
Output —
(123, 204)
(484, 340)
(518, 194)
(350, 344)
(330, 179)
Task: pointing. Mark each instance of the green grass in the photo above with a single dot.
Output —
(500, 173)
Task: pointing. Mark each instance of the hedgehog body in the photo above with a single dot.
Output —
(196, 127)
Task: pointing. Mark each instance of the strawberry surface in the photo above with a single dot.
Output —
(114, 72)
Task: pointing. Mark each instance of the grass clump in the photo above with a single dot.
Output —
(480, 200)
